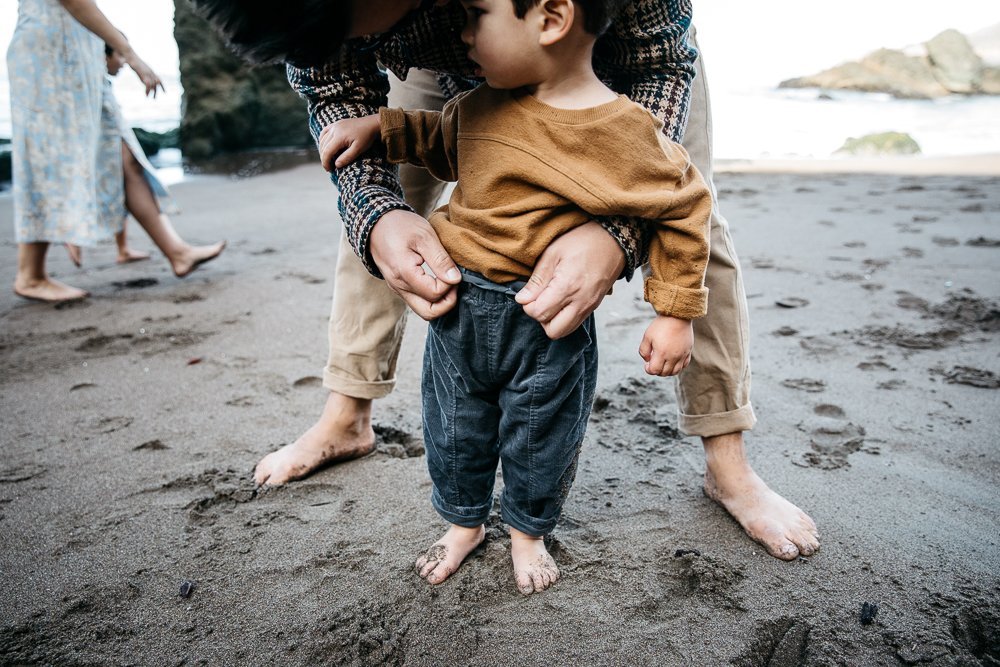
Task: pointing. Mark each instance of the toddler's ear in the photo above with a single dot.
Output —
(557, 18)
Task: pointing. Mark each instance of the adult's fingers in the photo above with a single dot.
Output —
(349, 155)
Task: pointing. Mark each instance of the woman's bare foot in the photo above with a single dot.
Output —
(534, 569)
(445, 556)
(768, 518)
(343, 432)
(48, 290)
(127, 255)
(75, 253)
(189, 259)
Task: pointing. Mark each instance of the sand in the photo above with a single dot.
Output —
(132, 422)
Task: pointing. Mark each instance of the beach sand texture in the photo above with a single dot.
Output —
(131, 424)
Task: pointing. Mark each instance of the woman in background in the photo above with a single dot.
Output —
(69, 170)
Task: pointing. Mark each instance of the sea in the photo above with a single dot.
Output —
(748, 49)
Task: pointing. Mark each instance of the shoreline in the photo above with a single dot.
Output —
(981, 164)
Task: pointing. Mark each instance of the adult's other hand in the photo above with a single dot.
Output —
(571, 278)
(400, 243)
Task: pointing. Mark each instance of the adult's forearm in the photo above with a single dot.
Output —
(89, 15)
(630, 235)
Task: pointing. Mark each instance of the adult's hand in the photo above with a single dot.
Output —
(571, 278)
(145, 74)
(400, 243)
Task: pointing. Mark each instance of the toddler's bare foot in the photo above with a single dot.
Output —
(446, 555)
(343, 432)
(768, 518)
(193, 256)
(534, 568)
(127, 255)
(48, 290)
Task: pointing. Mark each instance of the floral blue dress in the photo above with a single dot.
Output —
(67, 131)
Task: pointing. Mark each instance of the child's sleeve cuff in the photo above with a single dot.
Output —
(674, 301)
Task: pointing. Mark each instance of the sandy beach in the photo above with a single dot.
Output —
(131, 532)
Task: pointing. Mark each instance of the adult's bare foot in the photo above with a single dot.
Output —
(127, 255)
(445, 556)
(189, 259)
(48, 290)
(768, 518)
(343, 432)
(534, 569)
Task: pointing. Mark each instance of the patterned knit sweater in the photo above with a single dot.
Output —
(644, 55)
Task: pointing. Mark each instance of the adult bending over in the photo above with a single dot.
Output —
(334, 51)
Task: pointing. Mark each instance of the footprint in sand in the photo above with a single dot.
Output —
(876, 363)
(973, 377)
(792, 302)
(805, 384)
(944, 241)
(915, 253)
(831, 442)
(111, 424)
(397, 443)
(308, 382)
(137, 283)
(21, 473)
(82, 385)
(983, 242)
(150, 445)
(829, 410)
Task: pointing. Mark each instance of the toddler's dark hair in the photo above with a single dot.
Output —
(597, 14)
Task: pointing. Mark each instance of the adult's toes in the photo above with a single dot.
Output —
(783, 549)
(538, 581)
(524, 583)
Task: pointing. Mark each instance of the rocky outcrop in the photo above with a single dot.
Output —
(955, 64)
(879, 145)
(229, 106)
(948, 66)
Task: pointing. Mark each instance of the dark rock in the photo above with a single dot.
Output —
(152, 142)
(228, 105)
(5, 164)
(868, 612)
(186, 589)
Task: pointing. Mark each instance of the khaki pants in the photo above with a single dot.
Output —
(368, 319)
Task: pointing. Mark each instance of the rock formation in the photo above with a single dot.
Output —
(881, 144)
(949, 66)
(228, 105)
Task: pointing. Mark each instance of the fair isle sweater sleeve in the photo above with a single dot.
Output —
(646, 56)
(350, 87)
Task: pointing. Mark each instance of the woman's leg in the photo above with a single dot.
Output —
(33, 282)
(141, 203)
(125, 253)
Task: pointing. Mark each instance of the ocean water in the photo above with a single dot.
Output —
(748, 48)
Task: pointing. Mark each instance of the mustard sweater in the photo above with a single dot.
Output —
(527, 173)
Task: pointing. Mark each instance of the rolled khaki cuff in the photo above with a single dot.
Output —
(719, 423)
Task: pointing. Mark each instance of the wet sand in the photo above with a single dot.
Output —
(131, 424)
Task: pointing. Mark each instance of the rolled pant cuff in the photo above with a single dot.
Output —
(719, 423)
(357, 388)
(526, 524)
(467, 517)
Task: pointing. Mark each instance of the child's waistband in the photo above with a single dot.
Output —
(480, 281)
